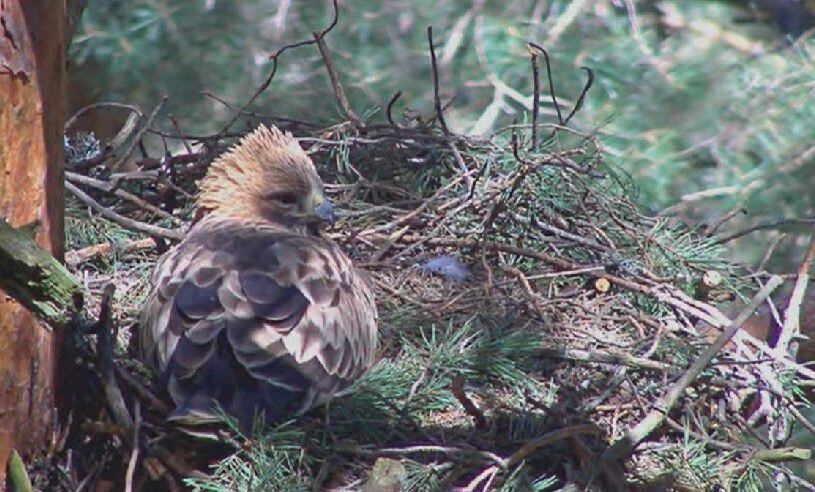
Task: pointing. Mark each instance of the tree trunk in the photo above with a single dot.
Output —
(33, 41)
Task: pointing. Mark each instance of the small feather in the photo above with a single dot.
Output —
(447, 267)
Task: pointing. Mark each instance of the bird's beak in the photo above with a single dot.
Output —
(325, 211)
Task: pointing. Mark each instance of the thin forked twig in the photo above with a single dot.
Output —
(336, 86)
(274, 58)
(435, 69)
(551, 82)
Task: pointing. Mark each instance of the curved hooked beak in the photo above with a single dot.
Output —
(325, 211)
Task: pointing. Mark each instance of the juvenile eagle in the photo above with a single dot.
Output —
(254, 311)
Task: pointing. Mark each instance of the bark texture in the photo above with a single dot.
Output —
(33, 40)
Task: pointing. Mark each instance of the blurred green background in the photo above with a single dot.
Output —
(708, 105)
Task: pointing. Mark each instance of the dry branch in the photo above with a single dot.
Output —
(127, 222)
(79, 256)
(336, 85)
(623, 447)
(792, 315)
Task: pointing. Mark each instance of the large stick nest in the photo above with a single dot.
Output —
(532, 318)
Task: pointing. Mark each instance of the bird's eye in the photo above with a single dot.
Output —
(283, 197)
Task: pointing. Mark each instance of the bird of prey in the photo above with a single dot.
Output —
(255, 312)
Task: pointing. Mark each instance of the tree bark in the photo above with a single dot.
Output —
(33, 40)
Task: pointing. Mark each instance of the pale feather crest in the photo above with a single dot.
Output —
(262, 161)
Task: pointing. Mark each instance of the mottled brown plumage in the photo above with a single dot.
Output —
(255, 311)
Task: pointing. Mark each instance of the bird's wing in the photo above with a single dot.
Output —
(257, 317)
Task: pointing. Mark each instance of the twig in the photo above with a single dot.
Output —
(770, 250)
(179, 467)
(134, 455)
(454, 41)
(389, 109)
(804, 421)
(782, 454)
(142, 391)
(646, 50)
(702, 437)
(79, 256)
(778, 224)
(457, 388)
(418, 210)
(792, 315)
(463, 453)
(551, 82)
(122, 220)
(716, 225)
(336, 85)
(435, 69)
(572, 12)
(536, 96)
(528, 449)
(109, 188)
(106, 336)
(582, 97)
(274, 58)
(530, 292)
(656, 417)
(595, 357)
(72, 120)
(118, 164)
(462, 166)
(177, 128)
(125, 131)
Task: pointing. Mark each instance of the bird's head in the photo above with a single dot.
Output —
(265, 176)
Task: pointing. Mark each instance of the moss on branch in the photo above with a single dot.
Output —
(36, 279)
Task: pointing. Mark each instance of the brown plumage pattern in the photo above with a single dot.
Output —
(254, 311)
